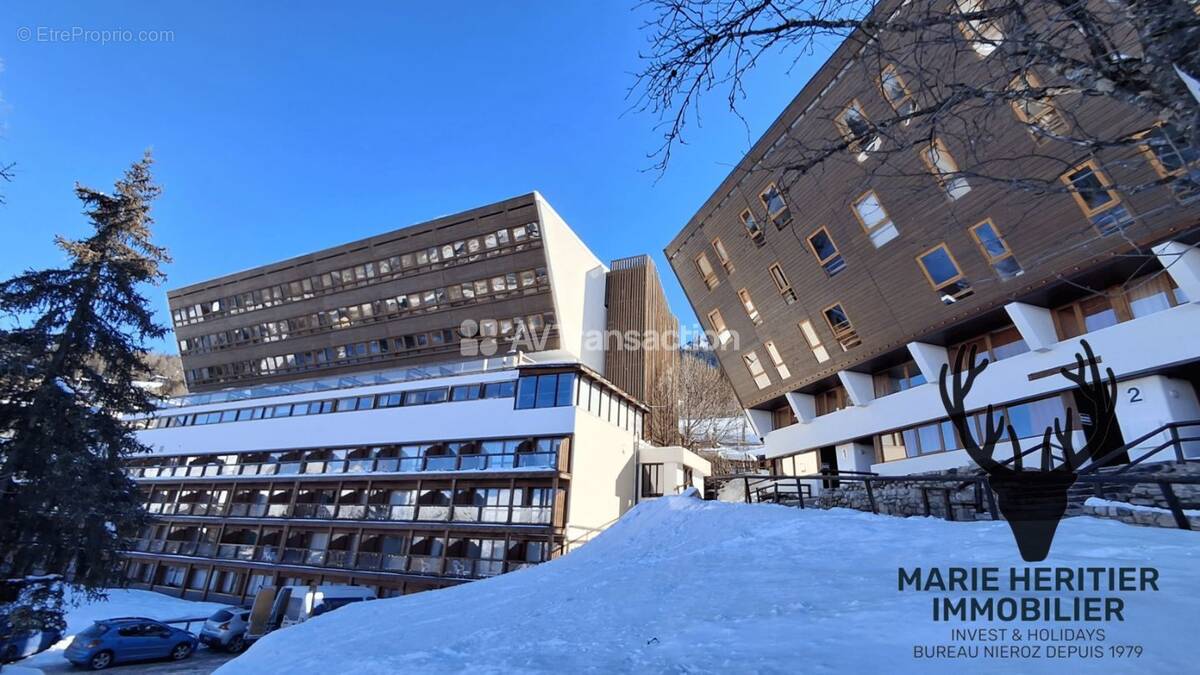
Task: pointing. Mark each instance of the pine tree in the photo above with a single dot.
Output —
(68, 364)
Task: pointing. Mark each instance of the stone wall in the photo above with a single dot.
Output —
(905, 498)
(1146, 503)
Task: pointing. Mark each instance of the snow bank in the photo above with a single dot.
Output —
(1098, 502)
(120, 602)
(683, 585)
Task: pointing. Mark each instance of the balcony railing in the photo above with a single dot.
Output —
(459, 513)
(496, 462)
(467, 568)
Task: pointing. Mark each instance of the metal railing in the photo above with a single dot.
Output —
(770, 488)
(460, 513)
(376, 561)
(480, 462)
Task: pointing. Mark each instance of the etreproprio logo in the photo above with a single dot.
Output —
(1033, 501)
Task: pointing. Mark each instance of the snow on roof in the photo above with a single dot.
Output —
(681, 584)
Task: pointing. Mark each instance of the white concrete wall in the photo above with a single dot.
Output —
(674, 460)
(1147, 403)
(1131, 349)
(577, 280)
(855, 456)
(485, 418)
(603, 476)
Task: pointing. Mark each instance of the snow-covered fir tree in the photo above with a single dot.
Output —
(70, 352)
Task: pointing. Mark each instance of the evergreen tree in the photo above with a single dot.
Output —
(68, 364)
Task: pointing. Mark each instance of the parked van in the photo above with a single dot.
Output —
(291, 605)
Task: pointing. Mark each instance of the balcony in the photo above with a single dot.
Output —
(377, 561)
(457, 513)
(523, 461)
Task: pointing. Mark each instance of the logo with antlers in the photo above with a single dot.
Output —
(1034, 500)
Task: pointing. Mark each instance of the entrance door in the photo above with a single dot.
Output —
(829, 465)
(1112, 440)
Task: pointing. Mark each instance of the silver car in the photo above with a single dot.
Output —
(226, 629)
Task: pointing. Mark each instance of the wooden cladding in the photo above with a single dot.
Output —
(636, 302)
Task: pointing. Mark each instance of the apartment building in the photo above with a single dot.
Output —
(849, 287)
(407, 412)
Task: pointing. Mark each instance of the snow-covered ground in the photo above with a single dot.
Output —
(120, 602)
(682, 585)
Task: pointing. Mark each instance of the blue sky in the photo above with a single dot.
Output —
(282, 128)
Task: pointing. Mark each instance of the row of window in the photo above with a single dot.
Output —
(562, 389)
(371, 350)
(494, 288)
(518, 505)
(464, 392)
(1029, 420)
(938, 265)
(415, 553)
(836, 319)
(463, 251)
(413, 457)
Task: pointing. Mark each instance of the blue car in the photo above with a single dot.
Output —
(129, 639)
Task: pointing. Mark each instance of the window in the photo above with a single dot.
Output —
(898, 378)
(652, 480)
(996, 251)
(776, 359)
(995, 345)
(706, 271)
(984, 34)
(937, 157)
(722, 255)
(896, 92)
(928, 438)
(814, 342)
(756, 370)
(1034, 108)
(545, 391)
(1095, 196)
(783, 417)
(748, 305)
(1142, 296)
(874, 219)
(752, 227)
(781, 283)
(843, 330)
(1085, 316)
(1173, 156)
(826, 252)
(831, 400)
(777, 208)
(718, 325)
(1169, 151)
(857, 131)
(943, 273)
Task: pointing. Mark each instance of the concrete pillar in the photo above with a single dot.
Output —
(760, 422)
(929, 359)
(855, 456)
(1035, 324)
(1182, 262)
(860, 386)
(804, 406)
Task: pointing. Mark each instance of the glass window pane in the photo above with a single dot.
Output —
(526, 391)
(870, 210)
(822, 245)
(1091, 190)
(546, 391)
(566, 383)
(939, 266)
